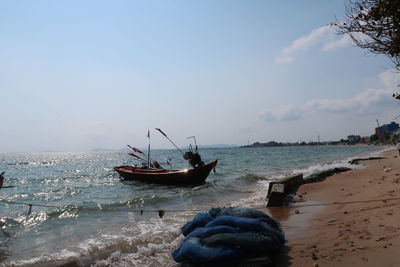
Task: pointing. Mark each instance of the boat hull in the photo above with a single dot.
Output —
(163, 176)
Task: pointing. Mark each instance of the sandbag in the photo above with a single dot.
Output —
(200, 220)
(191, 250)
(250, 241)
(250, 225)
(229, 237)
(243, 212)
(207, 231)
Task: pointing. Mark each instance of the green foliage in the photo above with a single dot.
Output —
(384, 139)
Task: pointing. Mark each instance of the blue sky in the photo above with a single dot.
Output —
(78, 75)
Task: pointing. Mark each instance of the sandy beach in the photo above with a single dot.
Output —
(355, 221)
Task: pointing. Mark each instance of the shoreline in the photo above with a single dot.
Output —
(150, 239)
(348, 219)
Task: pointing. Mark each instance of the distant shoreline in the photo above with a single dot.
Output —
(276, 144)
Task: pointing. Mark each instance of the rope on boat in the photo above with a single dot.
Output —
(161, 212)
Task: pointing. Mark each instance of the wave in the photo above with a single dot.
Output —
(140, 243)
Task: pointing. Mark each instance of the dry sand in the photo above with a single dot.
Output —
(361, 229)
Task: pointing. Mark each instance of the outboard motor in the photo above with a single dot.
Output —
(155, 164)
(194, 159)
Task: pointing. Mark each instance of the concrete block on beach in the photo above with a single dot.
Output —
(357, 161)
(277, 195)
(321, 175)
(291, 183)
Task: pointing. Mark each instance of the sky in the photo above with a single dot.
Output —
(80, 75)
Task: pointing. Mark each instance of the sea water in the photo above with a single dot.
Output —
(83, 214)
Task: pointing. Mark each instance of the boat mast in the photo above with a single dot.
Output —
(148, 152)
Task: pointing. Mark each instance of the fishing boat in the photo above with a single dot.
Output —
(152, 172)
(163, 176)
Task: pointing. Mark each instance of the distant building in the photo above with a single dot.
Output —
(387, 128)
(353, 138)
(365, 139)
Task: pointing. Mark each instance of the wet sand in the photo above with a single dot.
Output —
(349, 219)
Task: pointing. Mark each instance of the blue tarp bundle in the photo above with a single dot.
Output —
(200, 220)
(229, 236)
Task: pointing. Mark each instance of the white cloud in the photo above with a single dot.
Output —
(283, 113)
(323, 35)
(390, 79)
(364, 102)
(333, 45)
(371, 101)
(307, 41)
(284, 59)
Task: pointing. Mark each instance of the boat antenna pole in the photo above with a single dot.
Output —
(194, 137)
(158, 129)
